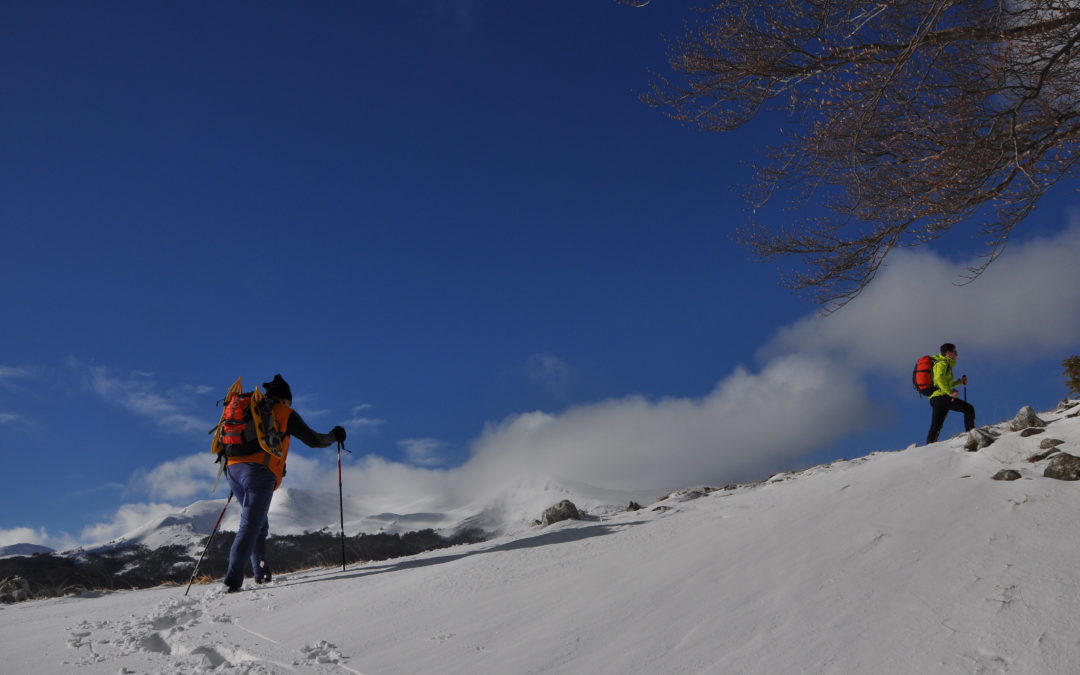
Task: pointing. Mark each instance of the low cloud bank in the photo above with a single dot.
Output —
(751, 423)
(39, 536)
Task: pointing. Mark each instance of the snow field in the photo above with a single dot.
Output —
(896, 563)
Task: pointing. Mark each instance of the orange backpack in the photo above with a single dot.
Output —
(923, 376)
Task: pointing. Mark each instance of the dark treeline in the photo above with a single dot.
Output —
(51, 575)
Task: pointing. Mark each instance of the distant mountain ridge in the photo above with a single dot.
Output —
(23, 549)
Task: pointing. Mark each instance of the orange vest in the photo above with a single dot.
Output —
(275, 464)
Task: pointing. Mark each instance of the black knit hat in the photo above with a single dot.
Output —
(278, 388)
(945, 349)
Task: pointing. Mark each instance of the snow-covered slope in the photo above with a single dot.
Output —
(896, 563)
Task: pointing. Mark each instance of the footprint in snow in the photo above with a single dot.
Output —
(320, 652)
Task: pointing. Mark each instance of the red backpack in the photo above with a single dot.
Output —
(248, 416)
(237, 424)
(923, 376)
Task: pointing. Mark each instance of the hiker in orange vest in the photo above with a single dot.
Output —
(254, 474)
(946, 397)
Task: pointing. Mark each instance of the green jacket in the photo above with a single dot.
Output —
(943, 377)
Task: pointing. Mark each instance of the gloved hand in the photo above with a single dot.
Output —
(339, 434)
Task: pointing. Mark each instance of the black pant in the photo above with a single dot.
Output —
(941, 406)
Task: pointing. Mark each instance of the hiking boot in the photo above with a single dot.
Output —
(262, 575)
(232, 589)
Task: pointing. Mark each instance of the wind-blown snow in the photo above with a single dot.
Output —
(899, 562)
(510, 509)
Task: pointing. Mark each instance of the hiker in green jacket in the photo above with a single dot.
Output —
(946, 397)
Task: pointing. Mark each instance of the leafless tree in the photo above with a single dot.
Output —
(902, 119)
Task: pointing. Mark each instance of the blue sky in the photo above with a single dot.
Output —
(454, 229)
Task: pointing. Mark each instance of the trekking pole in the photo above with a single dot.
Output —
(341, 500)
(210, 539)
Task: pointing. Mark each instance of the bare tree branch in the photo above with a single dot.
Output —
(906, 119)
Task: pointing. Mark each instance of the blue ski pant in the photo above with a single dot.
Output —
(253, 486)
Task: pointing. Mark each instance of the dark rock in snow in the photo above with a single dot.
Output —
(1048, 443)
(1063, 466)
(690, 494)
(1040, 456)
(1066, 404)
(980, 438)
(1007, 474)
(1032, 431)
(1025, 419)
(14, 589)
(564, 510)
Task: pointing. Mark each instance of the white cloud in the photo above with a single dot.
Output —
(28, 535)
(199, 389)
(138, 393)
(308, 469)
(1023, 306)
(12, 372)
(127, 518)
(310, 405)
(98, 489)
(426, 452)
(193, 476)
(6, 417)
(11, 377)
(181, 478)
(749, 425)
(363, 423)
(384, 486)
(358, 421)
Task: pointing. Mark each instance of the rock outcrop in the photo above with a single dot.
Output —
(564, 510)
